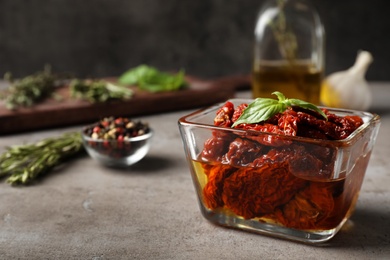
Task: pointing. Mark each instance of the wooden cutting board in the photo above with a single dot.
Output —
(52, 113)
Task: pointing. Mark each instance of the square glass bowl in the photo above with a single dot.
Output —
(306, 196)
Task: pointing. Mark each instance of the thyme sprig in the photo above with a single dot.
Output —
(98, 90)
(27, 91)
(24, 163)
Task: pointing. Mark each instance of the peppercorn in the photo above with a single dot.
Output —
(115, 133)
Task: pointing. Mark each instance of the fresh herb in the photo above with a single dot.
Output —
(24, 163)
(29, 90)
(285, 37)
(262, 109)
(151, 79)
(98, 90)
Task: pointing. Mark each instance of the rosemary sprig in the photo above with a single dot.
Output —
(98, 90)
(24, 163)
(28, 90)
(287, 41)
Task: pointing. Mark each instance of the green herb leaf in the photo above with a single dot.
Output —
(98, 90)
(150, 79)
(24, 163)
(285, 37)
(29, 90)
(306, 105)
(132, 76)
(262, 109)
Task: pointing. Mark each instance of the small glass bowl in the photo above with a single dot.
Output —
(306, 199)
(116, 153)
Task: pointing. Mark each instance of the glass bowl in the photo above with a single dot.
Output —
(305, 198)
(116, 153)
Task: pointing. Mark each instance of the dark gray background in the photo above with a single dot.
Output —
(208, 38)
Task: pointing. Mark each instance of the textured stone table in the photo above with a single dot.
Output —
(150, 211)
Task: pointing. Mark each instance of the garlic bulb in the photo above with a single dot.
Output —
(349, 89)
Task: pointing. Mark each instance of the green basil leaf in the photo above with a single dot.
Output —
(280, 96)
(306, 105)
(132, 76)
(153, 80)
(260, 110)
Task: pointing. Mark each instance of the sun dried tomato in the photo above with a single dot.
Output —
(224, 115)
(273, 156)
(288, 123)
(326, 128)
(326, 155)
(238, 111)
(301, 162)
(354, 121)
(253, 192)
(242, 152)
(348, 125)
(215, 148)
(212, 192)
(306, 131)
(335, 128)
(311, 208)
(263, 138)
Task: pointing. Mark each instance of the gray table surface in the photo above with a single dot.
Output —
(150, 211)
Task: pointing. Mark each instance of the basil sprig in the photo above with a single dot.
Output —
(151, 79)
(262, 109)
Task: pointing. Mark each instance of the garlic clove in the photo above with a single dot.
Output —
(349, 89)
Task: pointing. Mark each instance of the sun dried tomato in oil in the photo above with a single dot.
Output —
(214, 187)
(244, 192)
(265, 175)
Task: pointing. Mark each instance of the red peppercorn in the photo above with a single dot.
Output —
(105, 123)
(120, 141)
(119, 121)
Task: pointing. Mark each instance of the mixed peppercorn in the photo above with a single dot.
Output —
(115, 134)
(119, 129)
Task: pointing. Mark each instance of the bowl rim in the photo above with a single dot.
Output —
(142, 137)
(373, 119)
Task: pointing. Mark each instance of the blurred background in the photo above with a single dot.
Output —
(208, 38)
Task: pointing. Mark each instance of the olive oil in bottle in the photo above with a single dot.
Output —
(299, 81)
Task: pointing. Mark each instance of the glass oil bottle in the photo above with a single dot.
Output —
(288, 51)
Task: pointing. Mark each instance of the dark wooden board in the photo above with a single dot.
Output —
(53, 113)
